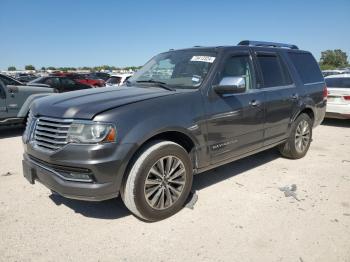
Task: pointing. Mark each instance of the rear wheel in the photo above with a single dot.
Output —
(300, 138)
(159, 181)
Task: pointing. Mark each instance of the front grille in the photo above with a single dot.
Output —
(51, 133)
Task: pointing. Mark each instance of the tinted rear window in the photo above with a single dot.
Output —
(274, 71)
(341, 82)
(306, 67)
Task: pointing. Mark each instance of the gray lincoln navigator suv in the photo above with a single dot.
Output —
(184, 112)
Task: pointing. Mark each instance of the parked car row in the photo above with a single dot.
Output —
(85, 79)
(59, 83)
(335, 72)
(16, 97)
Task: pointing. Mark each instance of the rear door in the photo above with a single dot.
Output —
(280, 93)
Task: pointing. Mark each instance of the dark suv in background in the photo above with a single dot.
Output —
(184, 112)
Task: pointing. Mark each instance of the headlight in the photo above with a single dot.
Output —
(91, 132)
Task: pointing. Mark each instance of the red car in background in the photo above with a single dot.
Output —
(83, 79)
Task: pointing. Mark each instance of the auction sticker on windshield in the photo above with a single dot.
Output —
(207, 59)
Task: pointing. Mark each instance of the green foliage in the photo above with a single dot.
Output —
(332, 59)
(29, 67)
(327, 67)
(43, 68)
(51, 68)
(11, 68)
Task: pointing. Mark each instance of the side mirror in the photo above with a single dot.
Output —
(2, 90)
(231, 85)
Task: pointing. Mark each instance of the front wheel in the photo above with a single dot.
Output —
(300, 138)
(159, 181)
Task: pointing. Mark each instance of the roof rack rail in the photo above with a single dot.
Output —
(267, 44)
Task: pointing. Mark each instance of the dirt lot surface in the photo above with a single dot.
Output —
(245, 212)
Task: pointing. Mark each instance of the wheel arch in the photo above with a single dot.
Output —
(176, 136)
(306, 110)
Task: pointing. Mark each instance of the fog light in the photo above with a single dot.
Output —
(78, 177)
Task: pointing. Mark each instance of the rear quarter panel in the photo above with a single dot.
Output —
(310, 94)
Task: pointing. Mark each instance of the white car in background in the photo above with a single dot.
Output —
(117, 80)
(338, 101)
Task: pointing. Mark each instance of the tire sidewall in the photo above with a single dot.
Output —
(292, 145)
(142, 206)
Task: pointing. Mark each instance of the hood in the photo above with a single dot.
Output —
(85, 104)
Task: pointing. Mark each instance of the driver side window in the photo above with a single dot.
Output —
(238, 66)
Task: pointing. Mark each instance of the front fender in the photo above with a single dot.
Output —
(23, 112)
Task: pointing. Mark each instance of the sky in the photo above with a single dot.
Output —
(126, 33)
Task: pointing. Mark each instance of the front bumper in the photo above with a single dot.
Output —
(105, 165)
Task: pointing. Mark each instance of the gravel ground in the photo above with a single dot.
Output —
(246, 211)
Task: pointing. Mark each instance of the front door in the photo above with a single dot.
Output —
(235, 121)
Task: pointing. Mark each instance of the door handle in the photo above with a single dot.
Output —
(294, 96)
(254, 103)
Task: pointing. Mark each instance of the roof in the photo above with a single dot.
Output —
(246, 44)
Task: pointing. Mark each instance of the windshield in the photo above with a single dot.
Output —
(179, 69)
(342, 82)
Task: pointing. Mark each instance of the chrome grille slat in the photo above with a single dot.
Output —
(64, 136)
(48, 140)
(51, 130)
(46, 145)
(41, 123)
(51, 133)
(57, 120)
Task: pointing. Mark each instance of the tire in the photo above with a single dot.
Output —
(151, 194)
(300, 138)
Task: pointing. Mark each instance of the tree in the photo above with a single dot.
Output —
(11, 68)
(29, 67)
(51, 68)
(331, 59)
(43, 68)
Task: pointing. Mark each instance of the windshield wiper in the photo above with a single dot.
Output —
(158, 83)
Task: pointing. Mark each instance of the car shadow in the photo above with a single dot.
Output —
(336, 122)
(115, 208)
(108, 209)
(232, 169)
(8, 132)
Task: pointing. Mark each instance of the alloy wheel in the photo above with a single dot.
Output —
(302, 136)
(165, 182)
